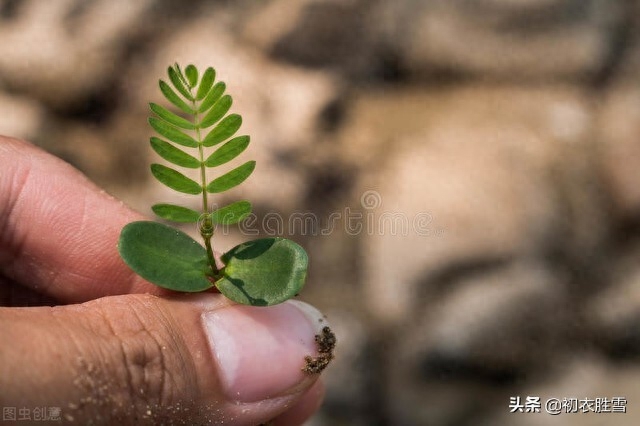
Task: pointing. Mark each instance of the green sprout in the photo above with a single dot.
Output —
(260, 272)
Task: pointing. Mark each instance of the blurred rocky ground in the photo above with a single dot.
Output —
(466, 171)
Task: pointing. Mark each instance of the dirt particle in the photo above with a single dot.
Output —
(325, 342)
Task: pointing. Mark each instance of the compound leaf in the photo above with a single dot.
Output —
(178, 82)
(214, 94)
(232, 213)
(217, 111)
(165, 256)
(170, 117)
(172, 133)
(263, 272)
(228, 151)
(175, 180)
(208, 77)
(233, 178)
(173, 154)
(224, 130)
(176, 213)
(191, 73)
(173, 97)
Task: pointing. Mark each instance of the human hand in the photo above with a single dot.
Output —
(104, 346)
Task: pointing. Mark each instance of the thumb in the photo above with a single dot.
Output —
(190, 359)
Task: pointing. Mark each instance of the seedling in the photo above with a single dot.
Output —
(260, 272)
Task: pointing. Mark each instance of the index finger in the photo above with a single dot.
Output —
(58, 231)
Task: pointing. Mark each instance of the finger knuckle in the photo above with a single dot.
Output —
(151, 363)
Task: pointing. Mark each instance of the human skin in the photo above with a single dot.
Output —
(80, 331)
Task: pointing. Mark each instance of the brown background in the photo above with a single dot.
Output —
(512, 128)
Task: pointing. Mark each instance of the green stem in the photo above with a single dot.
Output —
(206, 227)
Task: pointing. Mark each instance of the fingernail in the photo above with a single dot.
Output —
(260, 351)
